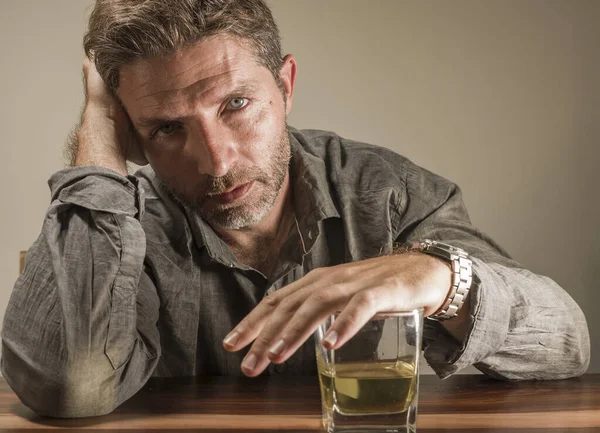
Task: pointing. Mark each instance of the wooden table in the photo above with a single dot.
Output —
(466, 404)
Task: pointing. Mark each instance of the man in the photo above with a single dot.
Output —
(241, 235)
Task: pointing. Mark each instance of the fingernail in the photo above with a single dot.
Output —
(249, 362)
(232, 338)
(277, 348)
(331, 338)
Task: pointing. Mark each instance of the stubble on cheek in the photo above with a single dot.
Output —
(265, 138)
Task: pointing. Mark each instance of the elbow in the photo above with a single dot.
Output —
(561, 353)
(573, 356)
(61, 394)
(572, 342)
(578, 357)
(72, 389)
(69, 399)
(572, 361)
(72, 400)
(565, 356)
(539, 362)
(77, 399)
(580, 367)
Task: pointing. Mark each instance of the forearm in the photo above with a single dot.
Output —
(517, 325)
(93, 142)
(71, 346)
(104, 136)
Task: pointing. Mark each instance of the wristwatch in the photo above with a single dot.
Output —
(462, 276)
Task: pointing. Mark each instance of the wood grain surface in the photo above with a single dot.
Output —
(469, 404)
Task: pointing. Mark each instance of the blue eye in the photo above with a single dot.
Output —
(237, 103)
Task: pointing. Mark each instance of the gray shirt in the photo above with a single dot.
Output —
(123, 283)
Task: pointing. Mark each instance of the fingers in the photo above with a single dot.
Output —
(87, 64)
(294, 326)
(354, 316)
(260, 326)
(96, 91)
(251, 326)
(388, 293)
(290, 326)
(282, 322)
(298, 316)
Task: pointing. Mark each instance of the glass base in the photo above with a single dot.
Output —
(374, 429)
(404, 422)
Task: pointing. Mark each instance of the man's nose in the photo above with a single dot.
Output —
(215, 149)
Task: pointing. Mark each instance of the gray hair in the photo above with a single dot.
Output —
(123, 31)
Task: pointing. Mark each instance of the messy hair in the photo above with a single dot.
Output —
(123, 31)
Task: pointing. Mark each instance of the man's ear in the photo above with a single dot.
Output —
(287, 75)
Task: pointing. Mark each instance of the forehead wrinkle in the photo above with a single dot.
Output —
(195, 67)
(179, 108)
(198, 89)
(175, 85)
(162, 107)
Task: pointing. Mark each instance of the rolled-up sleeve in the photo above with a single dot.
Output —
(79, 334)
(521, 325)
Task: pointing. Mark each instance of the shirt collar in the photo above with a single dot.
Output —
(312, 194)
(312, 190)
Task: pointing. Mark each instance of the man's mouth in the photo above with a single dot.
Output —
(233, 194)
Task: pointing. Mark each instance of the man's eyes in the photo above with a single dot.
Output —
(167, 129)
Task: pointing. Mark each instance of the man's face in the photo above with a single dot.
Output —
(212, 124)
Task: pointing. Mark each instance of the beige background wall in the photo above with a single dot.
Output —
(501, 97)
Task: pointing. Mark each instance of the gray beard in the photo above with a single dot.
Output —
(243, 217)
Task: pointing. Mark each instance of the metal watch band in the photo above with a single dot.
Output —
(462, 276)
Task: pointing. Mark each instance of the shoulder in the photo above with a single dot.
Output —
(350, 163)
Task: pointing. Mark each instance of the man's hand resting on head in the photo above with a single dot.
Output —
(284, 320)
(104, 137)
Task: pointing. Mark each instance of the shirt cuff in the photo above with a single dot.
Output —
(98, 189)
(489, 318)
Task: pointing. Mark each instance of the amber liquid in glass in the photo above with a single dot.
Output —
(368, 388)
